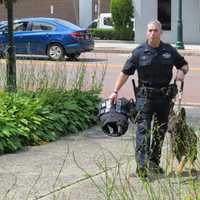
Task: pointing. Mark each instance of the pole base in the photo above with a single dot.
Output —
(179, 45)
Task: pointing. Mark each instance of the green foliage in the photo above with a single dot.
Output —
(50, 102)
(113, 34)
(32, 118)
(122, 12)
(6, 1)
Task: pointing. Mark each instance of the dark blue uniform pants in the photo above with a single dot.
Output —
(151, 127)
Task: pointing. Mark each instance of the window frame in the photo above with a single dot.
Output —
(44, 24)
(163, 14)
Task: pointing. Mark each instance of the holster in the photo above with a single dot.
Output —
(172, 91)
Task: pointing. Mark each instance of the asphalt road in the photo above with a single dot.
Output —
(114, 62)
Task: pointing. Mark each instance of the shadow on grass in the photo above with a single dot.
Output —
(45, 58)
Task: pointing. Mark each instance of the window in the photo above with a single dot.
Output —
(39, 26)
(164, 13)
(108, 21)
(93, 25)
(3, 28)
(20, 26)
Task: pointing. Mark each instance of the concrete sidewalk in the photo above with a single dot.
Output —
(119, 46)
(79, 166)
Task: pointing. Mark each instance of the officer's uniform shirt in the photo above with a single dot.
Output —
(154, 65)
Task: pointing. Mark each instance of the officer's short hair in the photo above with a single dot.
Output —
(157, 23)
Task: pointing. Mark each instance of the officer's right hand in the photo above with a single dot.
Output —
(180, 75)
(113, 97)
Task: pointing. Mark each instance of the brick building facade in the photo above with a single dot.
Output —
(104, 7)
(64, 9)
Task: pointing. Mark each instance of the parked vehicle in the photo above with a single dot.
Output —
(1, 51)
(105, 22)
(2, 22)
(53, 37)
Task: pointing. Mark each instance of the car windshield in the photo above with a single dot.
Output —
(93, 25)
(3, 28)
(2, 23)
(68, 24)
(108, 21)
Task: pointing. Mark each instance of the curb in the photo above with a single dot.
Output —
(128, 51)
(112, 50)
(189, 53)
(126, 47)
(189, 104)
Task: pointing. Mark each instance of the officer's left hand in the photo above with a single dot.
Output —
(180, 75)
(113, 97)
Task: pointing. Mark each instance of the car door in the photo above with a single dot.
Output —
(21, 40)
(40, 36)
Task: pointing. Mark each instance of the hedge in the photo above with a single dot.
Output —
(112, 34)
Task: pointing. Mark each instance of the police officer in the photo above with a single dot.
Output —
(153, 61)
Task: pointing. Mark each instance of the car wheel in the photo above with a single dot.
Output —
(73, 56)
(55, 52)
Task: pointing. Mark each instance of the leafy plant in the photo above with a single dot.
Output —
(32, 118)
(122, 12)
(50, 102)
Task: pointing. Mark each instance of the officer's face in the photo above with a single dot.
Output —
(153, 34)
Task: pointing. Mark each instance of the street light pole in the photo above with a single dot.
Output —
(11, 60)
(179, 43)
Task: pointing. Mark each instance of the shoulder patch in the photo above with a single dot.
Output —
(166, 55)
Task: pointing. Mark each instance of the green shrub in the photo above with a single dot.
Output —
(50, 102)
(112, 34)
(122, 12)
(32, 118)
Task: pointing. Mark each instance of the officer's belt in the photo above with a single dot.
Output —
(150, 92)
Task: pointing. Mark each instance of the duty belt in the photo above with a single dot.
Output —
(169, 91)
(149, 92)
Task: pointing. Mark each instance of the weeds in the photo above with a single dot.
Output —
(44, 101)
(116, 184)
(51, 100)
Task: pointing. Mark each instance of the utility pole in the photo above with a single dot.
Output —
(179, 43)
(11, 60)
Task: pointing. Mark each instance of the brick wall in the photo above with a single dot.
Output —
(105, 7)
(64, 9)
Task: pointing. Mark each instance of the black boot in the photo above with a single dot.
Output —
(142, 172)
(155, 168)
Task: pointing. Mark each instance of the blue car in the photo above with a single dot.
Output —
(2, 22)
(53, 37)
